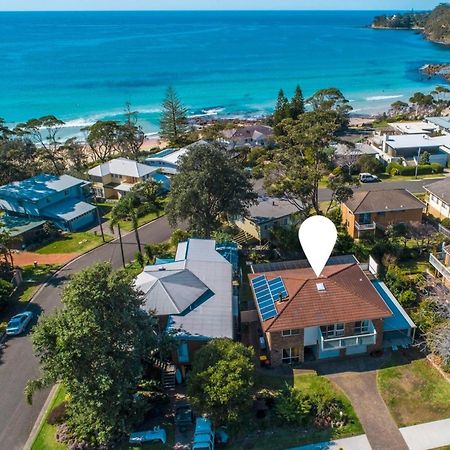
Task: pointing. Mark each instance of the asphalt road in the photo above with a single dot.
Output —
(413, 186)
(17, 362)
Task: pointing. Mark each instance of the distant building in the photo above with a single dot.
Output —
(267, 213)
(416, 127)
(443, 123)
(365, 212)
(342, 313)
(115, 178)
(193, 294)
(250, 136)
(60, 199)
(408, 147)
(438, 199)
(166, 161)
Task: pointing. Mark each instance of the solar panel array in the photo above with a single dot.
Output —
(264, 297)
(278, 289)
(267, 293)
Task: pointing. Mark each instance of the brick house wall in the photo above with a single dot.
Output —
(276, 343)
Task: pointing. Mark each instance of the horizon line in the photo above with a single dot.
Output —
(208, 10)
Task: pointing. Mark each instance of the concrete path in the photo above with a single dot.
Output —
(427, 435)
(352, 443)
(380, 427)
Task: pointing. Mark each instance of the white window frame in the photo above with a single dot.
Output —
(290, 359)
(362, 327)
(332, 331)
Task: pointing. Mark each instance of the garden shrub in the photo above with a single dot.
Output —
(394, 168)
(445, 223)
(6, 289)
(293, 407)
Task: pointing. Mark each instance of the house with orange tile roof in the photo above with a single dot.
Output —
(342, 313)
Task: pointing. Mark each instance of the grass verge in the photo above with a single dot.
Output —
(414, 393)
(80, 242)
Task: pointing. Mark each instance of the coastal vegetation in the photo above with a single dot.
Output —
(435, 24)
(208, 187)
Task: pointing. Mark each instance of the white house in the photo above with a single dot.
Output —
(438, 198)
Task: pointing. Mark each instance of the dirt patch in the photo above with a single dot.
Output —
(27, 258)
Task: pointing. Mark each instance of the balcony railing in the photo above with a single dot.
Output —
(437, 262)
(365, 226)
(336, 343)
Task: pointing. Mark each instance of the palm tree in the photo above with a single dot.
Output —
(5, 241)
(127, 208)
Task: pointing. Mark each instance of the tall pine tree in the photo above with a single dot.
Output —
(282, 108)
(173, 124)
(297, 106)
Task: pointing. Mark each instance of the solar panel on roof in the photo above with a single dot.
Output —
(278, 289)
(264, 297)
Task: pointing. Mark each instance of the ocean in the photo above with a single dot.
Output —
(84, 66)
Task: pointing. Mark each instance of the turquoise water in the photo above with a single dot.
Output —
(86, 66)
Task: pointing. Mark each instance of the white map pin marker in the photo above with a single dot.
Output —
(317, 236)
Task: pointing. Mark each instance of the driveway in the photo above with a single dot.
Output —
(357, 377)
(17, 362)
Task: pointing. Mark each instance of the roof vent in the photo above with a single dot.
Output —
(320, 287)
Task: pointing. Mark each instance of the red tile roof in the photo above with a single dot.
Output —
(348, 296)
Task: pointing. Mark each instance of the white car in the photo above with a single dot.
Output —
(368, 178)
(19, 323)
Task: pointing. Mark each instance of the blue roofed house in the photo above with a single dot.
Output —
(60, 199)
(193, 295)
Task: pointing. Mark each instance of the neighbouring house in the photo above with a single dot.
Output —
(267, 213)
(367, 211)
(441, 263)
(193, 295)
(115, 178)
(438, 199)
(442, 123)
(60, 199)
(408, 147)
(414, 127)
(247, 136)
(303, 317)
(23, 231)
(167, 161)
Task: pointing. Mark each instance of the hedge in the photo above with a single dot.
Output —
(422, 169)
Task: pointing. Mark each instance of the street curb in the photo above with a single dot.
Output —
(40, 418)
(37, 425)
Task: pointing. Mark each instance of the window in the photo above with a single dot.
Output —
(291, 355)
(365, 218)
(331, 331)
(382, 213)
(285, 333)
(362, 327)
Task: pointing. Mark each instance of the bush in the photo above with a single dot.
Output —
(293, 407)
(370, 164)
(6, 289)
(445, 223)
(57, 415)
(407, 298)
(394, 168)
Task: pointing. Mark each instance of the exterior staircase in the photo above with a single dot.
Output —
(168, 372)
(242, 238)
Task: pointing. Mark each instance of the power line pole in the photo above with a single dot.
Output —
(121, 245)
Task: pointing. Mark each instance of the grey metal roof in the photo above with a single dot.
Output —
(171, 291)
(17, 225)
(122, 166)
(440, 189)
(443, 122)
(39, 187)
(378, 201)
(68, 209)
(270, 208)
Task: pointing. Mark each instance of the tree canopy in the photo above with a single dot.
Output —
(173, 123)
(221, 381)
(208, 187)
(95, 346)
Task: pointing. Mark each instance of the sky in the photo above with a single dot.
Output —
(84, 5)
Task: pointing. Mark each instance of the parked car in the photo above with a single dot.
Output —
(156, 435)
(19, 323)
(183, 416)
(368, 178)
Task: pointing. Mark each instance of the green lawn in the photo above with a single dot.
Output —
(386, 177)
(269, 436)
(414, 393)
(33, 277)
(72, 243)
(127, 225)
